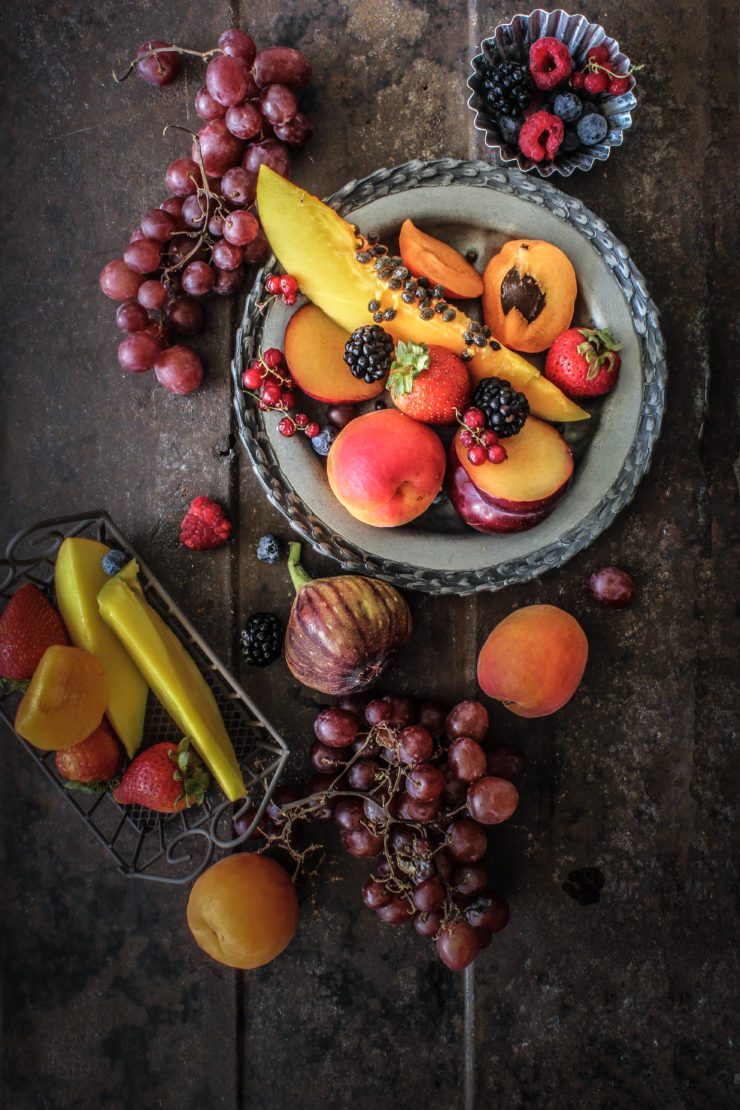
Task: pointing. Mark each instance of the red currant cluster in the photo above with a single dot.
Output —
(597, 78)
(268, 379)
(482, 442)
(284, 286)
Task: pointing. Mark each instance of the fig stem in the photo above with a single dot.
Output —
(297, 573)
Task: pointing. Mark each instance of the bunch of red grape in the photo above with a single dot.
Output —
(203, 236)
(414, 788)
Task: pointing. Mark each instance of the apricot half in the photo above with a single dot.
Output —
(534, 660)
(65, 699)
(314, 351)
(426, 256)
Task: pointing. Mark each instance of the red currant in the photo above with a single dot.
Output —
(477, 455)
(598, 54)
(263, 407)
(289, 298)
(288, 399)
(251, 378)
(272, 284)
(467, 439)
(618, 85)
(488, 437)
(286, 427)
(578, 80)
(270, 393)
(474, 418)
(596, 83)
(496, 454)
(288, 284)
(312, 429)
(301, 420)
(272, 357)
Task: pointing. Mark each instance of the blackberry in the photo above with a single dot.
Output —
(505, 410)
(507, 88)
(262, 639)
(269, 549)
(368, 352)
(114, 560)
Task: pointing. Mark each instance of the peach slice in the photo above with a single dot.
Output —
(426, 256)
(533, 477)
(314, 351)
(480, 513)
(65, 699)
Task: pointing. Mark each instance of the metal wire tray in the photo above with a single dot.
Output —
(171, 848)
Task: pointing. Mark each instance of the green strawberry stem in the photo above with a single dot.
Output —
(191, 772)
(411, 360)
(12, 686)
(298, 575)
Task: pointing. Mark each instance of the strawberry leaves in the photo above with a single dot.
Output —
(411, 360)
(191, 773)
(598, 350)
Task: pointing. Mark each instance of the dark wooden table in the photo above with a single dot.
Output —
(626, 1003)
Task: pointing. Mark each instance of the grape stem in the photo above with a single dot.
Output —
(206, 55)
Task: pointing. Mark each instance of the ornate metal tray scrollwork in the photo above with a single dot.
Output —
(479, 206)
(171, 848)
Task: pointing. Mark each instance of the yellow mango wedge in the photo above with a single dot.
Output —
(78, 578)
(317, 247)
(172, 675)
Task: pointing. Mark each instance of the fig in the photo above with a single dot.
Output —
(342, 631)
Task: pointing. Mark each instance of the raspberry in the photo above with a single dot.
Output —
(618, 85)
(205, 525)
(596, 83)
(598, 54)
(541, 136)
(550, 62)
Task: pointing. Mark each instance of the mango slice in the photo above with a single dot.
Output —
(78, 578)
(65, 699)
(317, 246)
(172, 675)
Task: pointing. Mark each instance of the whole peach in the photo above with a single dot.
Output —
(534, 660)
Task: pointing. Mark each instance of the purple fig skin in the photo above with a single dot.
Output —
(342, 632)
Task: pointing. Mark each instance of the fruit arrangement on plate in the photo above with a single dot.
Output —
(465, 408)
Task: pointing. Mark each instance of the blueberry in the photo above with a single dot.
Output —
(323, 441)
(269, 549)
(114, 560)
(592, 129)
(568, 106)
(509, 129)
(571, 141)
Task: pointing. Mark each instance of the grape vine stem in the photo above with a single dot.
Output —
(206, 55)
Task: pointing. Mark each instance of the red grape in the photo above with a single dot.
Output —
(349, 813)
(157, 225)
(159, 69)
(181, 177)
(466, 759)
(244, 120)
(295, 132)
(612, 586)
(136, 235)
(225, 256)
(198, 279)
(186, 315)
(455, 792)
(244, 820)
(157, 331)
(179, 370)
(143, 256)
(397, 912)
(466, 840)
(375, 894)
(278, 104)
(377, 711)
(402, 711)
(258, 250)
(415, 745)
(361, 775)
(173, 206)
(239, 186)
(238, 44)
(425, 782)
(119, 282)
(282, 796)
(428, 924)
(152, 295)
(208, 108)
(429, 895)
(227, 79)
(490, 911)
(411, 809)
(469, 878)
(270, 153)
(131, 316)
(240, 228)
(337, 728)
(219, 148)
(467, 718)
(374, 811)
(216, 225)
(432, 717)
(228, 281)
(325, 759)
(457, 945)
(444, 864)
(361, 843)
(340, 415)
(485, 936)
(138, 352)
(504, 763)
(492, 800)
(321, 784)
(194, 211)
(284, 65)
(354, 702)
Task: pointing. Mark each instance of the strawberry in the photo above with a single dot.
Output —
(584, 362)
(428, 383)
(166, 778)
(93, 763)
(29, 625)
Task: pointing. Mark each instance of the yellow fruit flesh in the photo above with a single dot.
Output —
(172, 675)
(65, 699)
(78, 578)
(317, 247)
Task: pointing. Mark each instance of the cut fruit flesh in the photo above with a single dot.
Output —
(315, 245)
(314, 351)
(478, 511)
(426, 256)
(535, 474)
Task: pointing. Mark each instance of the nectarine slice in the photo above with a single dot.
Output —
(314, 351)
(428, 257)
(478, 511)
(535, 474)
(65, 699)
